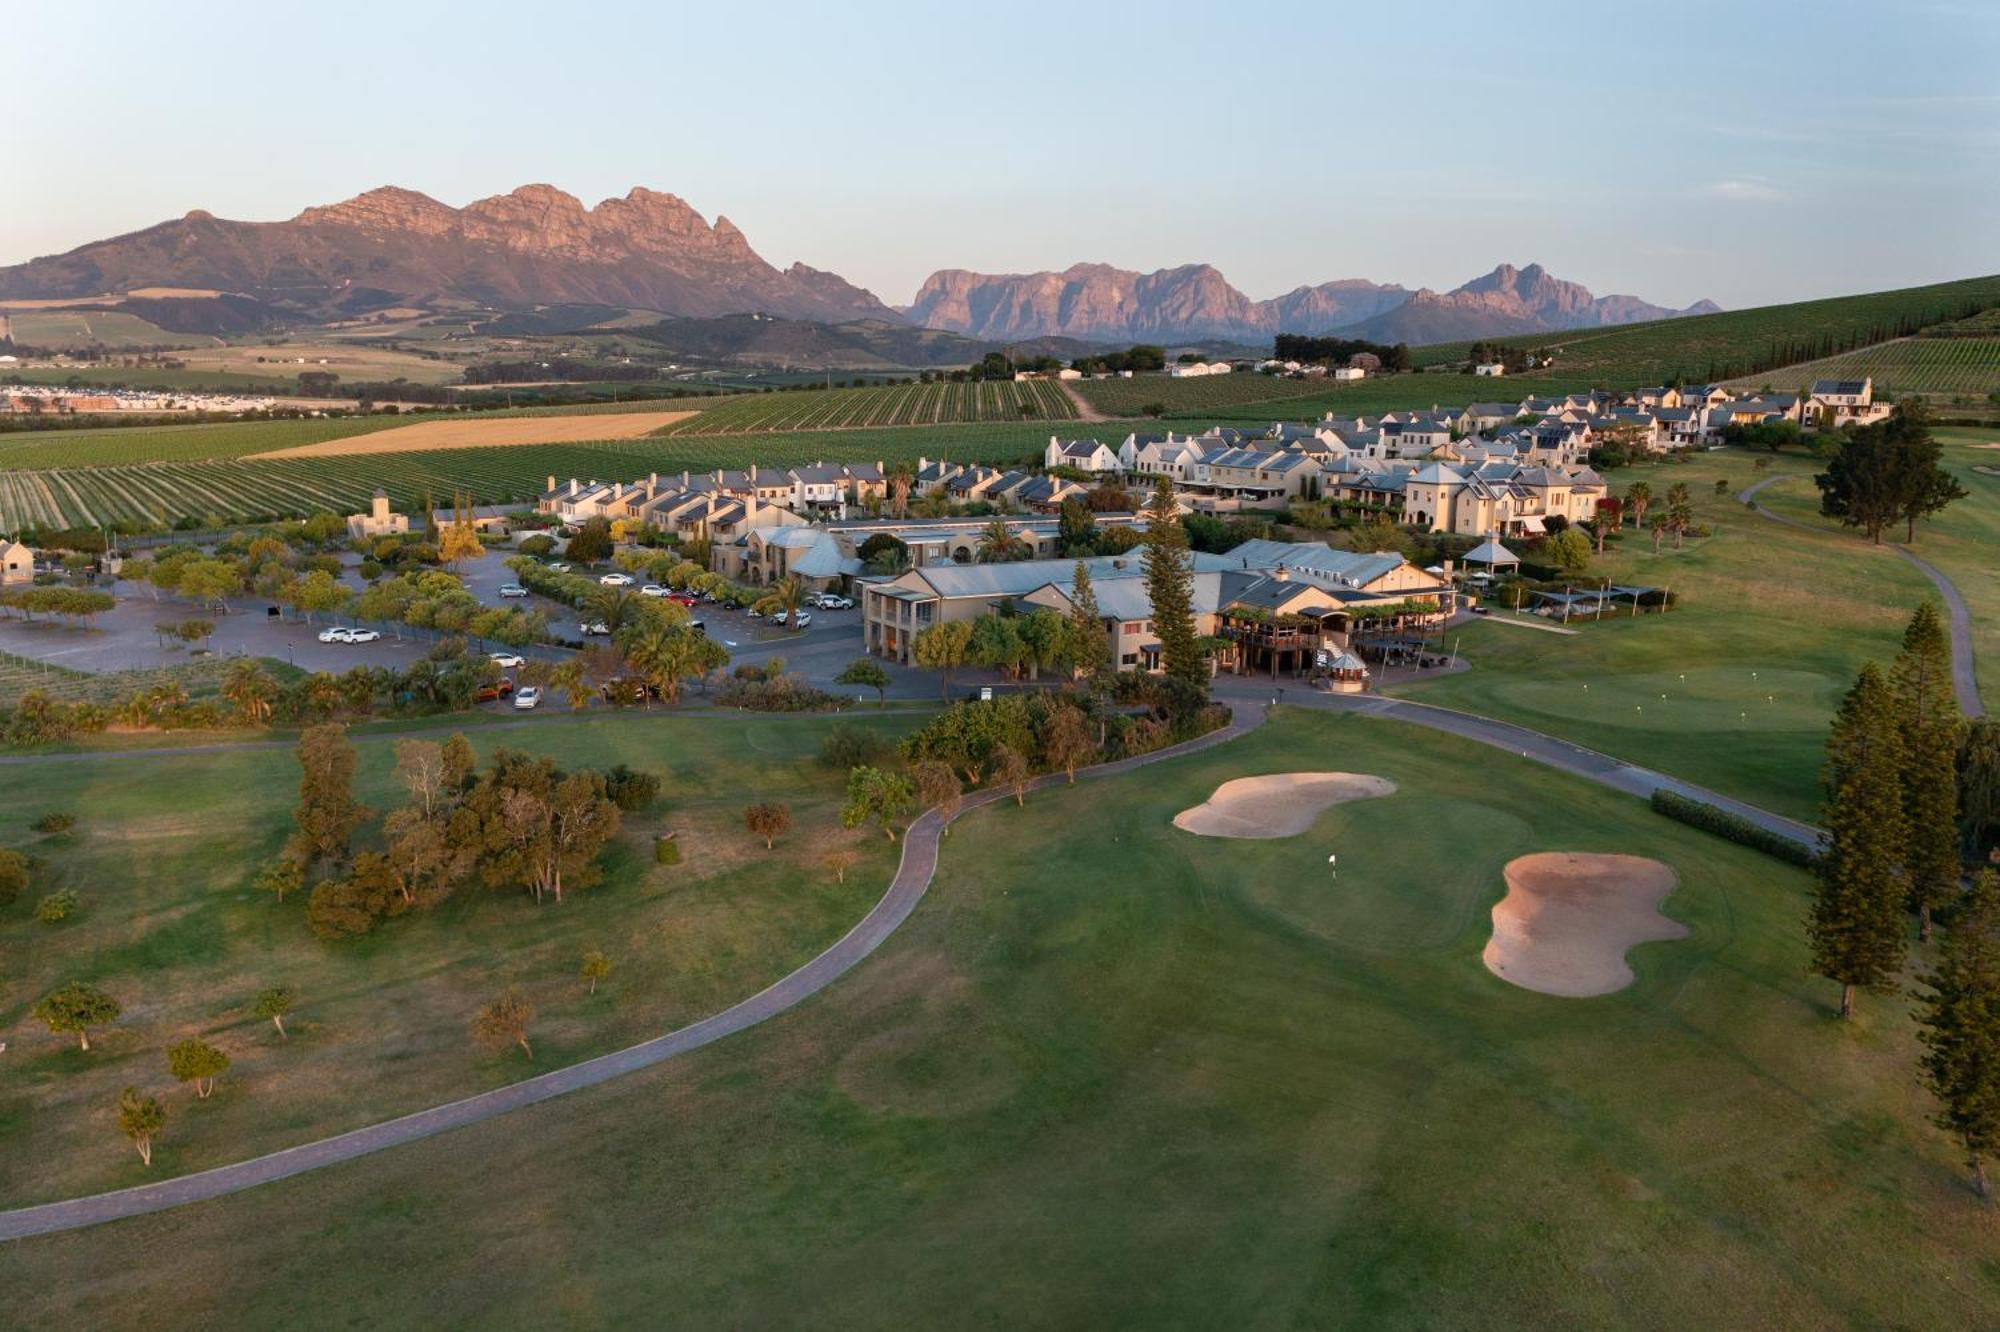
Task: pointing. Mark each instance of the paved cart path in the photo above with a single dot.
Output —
(1964, 676)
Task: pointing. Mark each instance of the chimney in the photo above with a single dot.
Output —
(653, 479)
(753, 474)
(551, 486)
(684, 479)
(573, 486)
(1282, 574)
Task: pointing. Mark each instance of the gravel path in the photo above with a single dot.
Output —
(913, 878)
(1964, 674)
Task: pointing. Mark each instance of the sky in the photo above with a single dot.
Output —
(1749, 152)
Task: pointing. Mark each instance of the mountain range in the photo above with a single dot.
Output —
(537, 247)
(1096, 301)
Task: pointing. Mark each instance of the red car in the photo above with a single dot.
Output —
(684, 598)
(498, 689)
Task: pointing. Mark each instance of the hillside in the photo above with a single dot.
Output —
(390, 247)
(1195, 301)
(1739, 343)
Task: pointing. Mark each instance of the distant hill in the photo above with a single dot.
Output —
(862, 344)
(1755, 342)
(388, 247)
(1100, 302)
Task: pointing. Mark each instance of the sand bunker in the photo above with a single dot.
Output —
(1568, 918)
(1280, 804)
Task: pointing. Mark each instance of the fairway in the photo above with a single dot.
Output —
(172, 925)
(1106, 1081)
(1734, 687)
(483, 432)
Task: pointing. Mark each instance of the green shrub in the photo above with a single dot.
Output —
(1730, 827)
(630, 789)
(13, 876)
(55, 823)
(667, 849)
(846, 746)
(57, 906)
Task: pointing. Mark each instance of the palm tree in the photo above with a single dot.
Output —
(250, 687)
(787, 595)
(609, 606)
(568, 677)
(998, 544)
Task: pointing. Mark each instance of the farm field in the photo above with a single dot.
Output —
(19, 675)
(893, 405)
(99, 446)
(1941, 367)
(241, 490)
(1372, 396)
(1734, 688)
(1142, 1078)
(288, 360)
(1132, 397)
(172, 924)
(1727, 345)
(482, 431)
(85, 328)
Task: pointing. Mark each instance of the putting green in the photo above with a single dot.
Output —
(1401, 893)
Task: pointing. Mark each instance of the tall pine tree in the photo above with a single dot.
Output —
(1857, 917)
(1170, 588)
(1093, 646)
(1959, 1009)
(1932, 727)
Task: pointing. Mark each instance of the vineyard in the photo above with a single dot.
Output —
(1740, 344)
(216, 494)
(1944, 366)
(1370, 397)
(19, 675)
(111, 445)
(1148, 395)
(893, 405)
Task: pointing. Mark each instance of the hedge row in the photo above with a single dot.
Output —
(1732, 827)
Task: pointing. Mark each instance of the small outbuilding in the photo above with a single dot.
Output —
(17, 562)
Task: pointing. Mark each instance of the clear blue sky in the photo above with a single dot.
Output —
(1746, 152)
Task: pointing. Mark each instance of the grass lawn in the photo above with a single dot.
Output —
(1138, 1078)
(1961, 541)
(164, 854)
(1735, 687)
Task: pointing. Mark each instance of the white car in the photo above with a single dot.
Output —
(506, 660)
(616, 580)
(527, 697)
(361, 636)
(513, 590)
(336, 634)
(754, 613)
(779, 617)
(597, 627)
(654, 590)
(557, 566)
(802, 620)
(834, 601)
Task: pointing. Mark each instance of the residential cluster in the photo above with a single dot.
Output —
(31, 400)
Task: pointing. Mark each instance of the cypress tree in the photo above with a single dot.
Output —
(1958, 1007)
(1931, 726)
(1170, 588)
(1856, 925)
(1093, 648)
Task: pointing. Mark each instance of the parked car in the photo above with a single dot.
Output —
(506, 660)
(653, 590)
(616, 580)
(361, 636)
(558, 566)
(833, 601)
(597, 627)
(513, 590)
(335, 633)
(780, 617)
(500, 688)
(802, 620)
(754, 613)
(687, 599)
(527, 698)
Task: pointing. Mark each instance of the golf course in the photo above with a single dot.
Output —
(1250, 1090)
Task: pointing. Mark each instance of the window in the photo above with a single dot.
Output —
(1129, 659)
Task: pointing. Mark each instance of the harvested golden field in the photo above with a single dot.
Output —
(488, 432)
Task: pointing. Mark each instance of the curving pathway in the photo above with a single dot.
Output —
(1964, 674)
(906, 889)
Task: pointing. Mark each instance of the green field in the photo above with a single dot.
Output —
(1732, 344)
(18, 675)
(1942, 367)
(1205, 393)
(173, 926)
(157, 494)
(892, 405)
(1734, 687)
(1144, 1079)
(91, 327)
